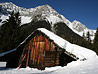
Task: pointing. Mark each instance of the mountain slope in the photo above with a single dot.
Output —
(44, 12)
(78, 26)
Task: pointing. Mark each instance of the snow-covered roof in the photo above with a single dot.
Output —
(4, 53)
(80, 52)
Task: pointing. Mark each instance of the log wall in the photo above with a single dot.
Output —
(41, 52)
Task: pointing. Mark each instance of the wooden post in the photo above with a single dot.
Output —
(27, 58)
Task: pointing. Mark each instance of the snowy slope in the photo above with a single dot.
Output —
(44, 12)
(3, 18)
(89, 66)
(24, 19)
(80, 28)
(75, 67)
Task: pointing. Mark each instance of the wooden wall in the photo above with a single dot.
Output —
(41, 52)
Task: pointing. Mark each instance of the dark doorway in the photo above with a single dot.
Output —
(65, 59)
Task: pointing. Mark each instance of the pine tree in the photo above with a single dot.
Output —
(83, 36)
(96, 41)
(9, 32)
(82, 42)
(88, 37)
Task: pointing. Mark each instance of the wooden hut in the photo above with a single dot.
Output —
(39, 50)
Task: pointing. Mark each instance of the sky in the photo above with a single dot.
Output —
(85, 11)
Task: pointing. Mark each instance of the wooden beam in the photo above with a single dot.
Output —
(71, 55)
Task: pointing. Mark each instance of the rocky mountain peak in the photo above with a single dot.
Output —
(78, 26)
(45, 9)
(44, 12)
(6, 8)
(7, 3)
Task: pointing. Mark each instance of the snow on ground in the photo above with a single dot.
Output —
(89, 66)
(75, 67)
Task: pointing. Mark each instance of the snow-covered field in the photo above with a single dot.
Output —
(75, 67)
(89, 66)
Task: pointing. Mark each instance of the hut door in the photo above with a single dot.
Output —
(37, 54)
(50, 58)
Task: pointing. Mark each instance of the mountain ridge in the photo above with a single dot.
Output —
(45, 12)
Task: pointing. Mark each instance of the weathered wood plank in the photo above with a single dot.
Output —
(42, 52)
